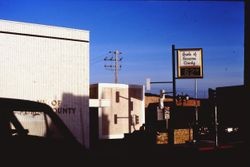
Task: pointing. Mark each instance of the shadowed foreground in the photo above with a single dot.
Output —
(164, 155)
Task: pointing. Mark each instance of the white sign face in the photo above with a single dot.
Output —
(190, 63)
(189, 58)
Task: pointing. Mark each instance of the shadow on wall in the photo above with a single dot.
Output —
(95, 140)
(151, 117)
(124, 114)
(94, 126)
(73, 110)
(105, 129)
(133, 108)
(135, 93)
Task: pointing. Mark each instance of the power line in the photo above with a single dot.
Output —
(95, 62)
(96, 58)
(114, 64)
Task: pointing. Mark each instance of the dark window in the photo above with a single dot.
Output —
(117, 97)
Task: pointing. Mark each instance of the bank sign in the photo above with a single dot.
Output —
(189, 63)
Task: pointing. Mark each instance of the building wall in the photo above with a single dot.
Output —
(48, 64)
(247, 45)
(126, 104)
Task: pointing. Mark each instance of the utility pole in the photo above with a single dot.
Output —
(115, 66)
(213, 103)
(196, 128)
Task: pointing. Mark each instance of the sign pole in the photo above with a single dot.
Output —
(196, 114)
(171, 121)
(190, 65)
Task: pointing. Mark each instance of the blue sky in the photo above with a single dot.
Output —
(144, 32)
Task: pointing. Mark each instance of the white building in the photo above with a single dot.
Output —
(121, 109)
(48, 64)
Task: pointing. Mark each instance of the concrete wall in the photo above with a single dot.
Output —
(126, 105)
(48, 64)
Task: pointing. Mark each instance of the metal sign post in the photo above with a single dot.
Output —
(190, 65)
(173, 108)
(196, 114)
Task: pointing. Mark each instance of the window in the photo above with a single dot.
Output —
(37, 124)
(117, 97)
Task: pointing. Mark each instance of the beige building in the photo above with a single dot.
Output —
(121, 109)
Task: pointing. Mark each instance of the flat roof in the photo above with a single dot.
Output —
(46, 31)
(115, 85)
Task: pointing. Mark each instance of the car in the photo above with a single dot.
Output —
(230, 134)
(31, 133)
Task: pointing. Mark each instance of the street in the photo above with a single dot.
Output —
(164, 155)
